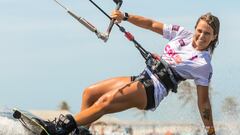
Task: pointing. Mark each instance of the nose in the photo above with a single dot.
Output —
(201, 36)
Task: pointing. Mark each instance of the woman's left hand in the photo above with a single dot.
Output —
(117, 15)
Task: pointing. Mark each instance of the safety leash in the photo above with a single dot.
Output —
(150, 61)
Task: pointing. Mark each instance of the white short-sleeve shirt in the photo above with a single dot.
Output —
(187, 61)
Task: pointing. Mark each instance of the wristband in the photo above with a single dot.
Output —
(125, 16)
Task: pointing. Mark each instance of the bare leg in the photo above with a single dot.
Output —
(112, 99)
(94, 92)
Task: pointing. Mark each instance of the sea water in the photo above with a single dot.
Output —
(10, 126)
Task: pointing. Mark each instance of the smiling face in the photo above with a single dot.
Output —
(203, 36)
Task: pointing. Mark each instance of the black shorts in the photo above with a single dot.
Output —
(149, 87)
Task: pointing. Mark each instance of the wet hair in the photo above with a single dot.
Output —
(215, 24)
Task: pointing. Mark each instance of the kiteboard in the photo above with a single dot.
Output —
(29, 122)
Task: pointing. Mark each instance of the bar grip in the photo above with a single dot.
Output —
(119, 4)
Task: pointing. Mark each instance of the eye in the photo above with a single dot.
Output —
(199, 30)
(207, 33)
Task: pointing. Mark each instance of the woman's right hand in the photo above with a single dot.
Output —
(156, 56)
(117, 15)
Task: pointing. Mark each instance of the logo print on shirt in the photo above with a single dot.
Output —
(171, 53)
(194, 57)
(175, 27)
(182, 43)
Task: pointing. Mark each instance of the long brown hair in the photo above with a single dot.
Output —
(213, 21)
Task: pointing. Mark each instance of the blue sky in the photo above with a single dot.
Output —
(46, 56)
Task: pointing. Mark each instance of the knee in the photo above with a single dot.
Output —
(104, 103)
(89, 95)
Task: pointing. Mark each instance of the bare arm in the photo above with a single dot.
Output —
(205, 109)
(140, 21)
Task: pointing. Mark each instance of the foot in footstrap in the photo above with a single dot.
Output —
(61, 126)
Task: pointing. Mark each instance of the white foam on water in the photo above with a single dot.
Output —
(11, 127)
(228, 126)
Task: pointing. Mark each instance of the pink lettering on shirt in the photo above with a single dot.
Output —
(172, 53)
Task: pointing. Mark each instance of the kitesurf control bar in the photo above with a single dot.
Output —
(103, 36)
(119, 4)
(146, 55)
